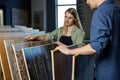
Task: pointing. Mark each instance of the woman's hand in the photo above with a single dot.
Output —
(30, 37)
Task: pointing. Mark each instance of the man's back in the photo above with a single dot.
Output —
(106, 28)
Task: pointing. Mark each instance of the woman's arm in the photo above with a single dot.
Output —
(42, 37)
(48, 36)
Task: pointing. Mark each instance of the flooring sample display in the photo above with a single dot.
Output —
(19, 56)
(38, 61)
(62, 65)
(4, 57)
(11, 58)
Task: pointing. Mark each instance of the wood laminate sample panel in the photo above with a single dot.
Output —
(19, 56)
(38, 61)
(4, 62)
(11, 58)
(62, 65)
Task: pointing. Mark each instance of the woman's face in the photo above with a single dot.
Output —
(69, 19)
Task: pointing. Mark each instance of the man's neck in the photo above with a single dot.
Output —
(100, 2)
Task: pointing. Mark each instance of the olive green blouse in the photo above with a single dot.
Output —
(77, 35)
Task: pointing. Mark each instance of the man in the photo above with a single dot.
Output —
(104, 40)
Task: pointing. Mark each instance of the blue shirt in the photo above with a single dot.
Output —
(105, 39)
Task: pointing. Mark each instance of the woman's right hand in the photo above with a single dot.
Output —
(30, 37)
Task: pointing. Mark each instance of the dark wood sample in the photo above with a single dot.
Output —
(62, 65)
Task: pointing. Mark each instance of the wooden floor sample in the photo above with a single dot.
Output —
(38, 61)
(11, 58)
(4, 60)
(62, 65)
(19, 56)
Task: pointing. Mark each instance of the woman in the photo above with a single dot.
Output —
(71, 33)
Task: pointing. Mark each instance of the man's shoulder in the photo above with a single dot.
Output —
(106, 9)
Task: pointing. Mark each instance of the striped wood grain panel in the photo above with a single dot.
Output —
(4, 60)
(11, 58)
(38, 61)
(19, 56)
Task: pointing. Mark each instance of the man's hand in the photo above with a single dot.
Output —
(62, 48)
